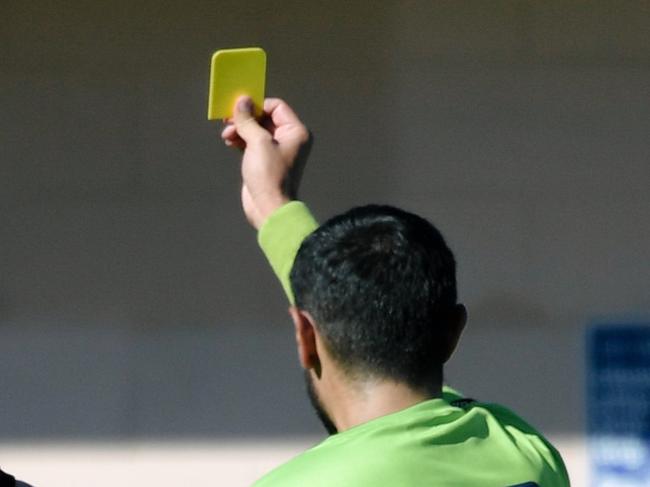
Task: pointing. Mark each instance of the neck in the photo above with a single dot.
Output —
(358, 403)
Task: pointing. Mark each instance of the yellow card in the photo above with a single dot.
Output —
(233, 73)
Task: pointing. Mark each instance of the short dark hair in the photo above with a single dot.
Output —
(378, 281)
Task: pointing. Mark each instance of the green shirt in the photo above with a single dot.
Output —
(448, 441)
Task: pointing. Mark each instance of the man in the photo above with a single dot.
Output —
(373, 295)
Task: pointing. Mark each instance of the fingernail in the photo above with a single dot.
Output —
(245, 105)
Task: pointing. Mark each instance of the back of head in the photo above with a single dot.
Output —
(379, 282)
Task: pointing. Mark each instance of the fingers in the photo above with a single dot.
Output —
(279, 119)
(229, 132)
(245, 124)
(231, 138)
(280, 112)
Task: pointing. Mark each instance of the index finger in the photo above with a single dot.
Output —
(280, 112)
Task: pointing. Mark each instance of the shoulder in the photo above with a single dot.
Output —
(314, 467)
(527, 441)
(432, 439)
(299, 471)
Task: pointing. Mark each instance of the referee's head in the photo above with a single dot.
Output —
(375, 296)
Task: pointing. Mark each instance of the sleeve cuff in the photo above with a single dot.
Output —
(280, 237)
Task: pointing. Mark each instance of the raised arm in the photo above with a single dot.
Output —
(275, 151)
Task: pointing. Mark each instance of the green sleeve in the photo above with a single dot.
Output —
(280, 237)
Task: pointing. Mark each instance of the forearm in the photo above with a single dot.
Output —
(280, 238)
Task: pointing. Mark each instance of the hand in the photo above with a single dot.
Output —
(275, 152)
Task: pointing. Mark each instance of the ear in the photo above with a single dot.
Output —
(305, 338)
(456, 321)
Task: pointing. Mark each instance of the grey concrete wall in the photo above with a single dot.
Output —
(133, 300)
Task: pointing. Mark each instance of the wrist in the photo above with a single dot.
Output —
(267, 205)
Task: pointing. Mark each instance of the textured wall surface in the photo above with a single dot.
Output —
(133, 300)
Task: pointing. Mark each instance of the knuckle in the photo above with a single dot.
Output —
(304, 134)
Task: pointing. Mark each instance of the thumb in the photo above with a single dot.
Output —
(245, 123)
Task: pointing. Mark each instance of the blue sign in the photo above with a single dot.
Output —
(618, 395)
